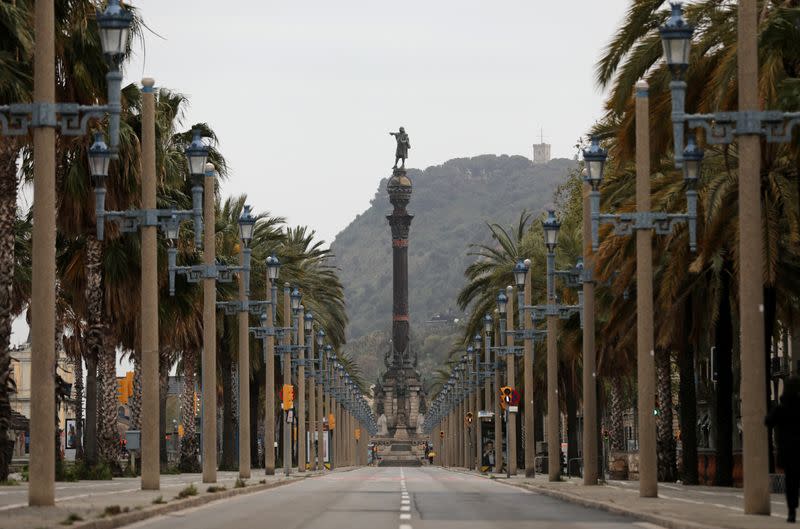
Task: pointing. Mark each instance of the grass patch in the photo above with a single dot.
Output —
(216, 488)
(71, 519)
(191, 490)
(159, 501)
(9, 483)
(240, 483)
(112, 510)
(171, 471)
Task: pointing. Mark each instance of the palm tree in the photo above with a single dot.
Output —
(16, 43)
(702, 284)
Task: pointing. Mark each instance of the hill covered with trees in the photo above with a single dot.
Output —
(451, 204)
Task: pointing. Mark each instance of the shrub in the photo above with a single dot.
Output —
(71, 519)
(191, 490)
(216, 488)
(240, 483)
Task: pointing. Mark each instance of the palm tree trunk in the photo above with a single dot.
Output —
(90, 434)
(189, 446)
(255, 391)
(666, 447)
(8, 217)
(616, 434)
(163, 387)
(770, 307)
(136, 399)
(74, 350)
(228, 460)
(95, 349)
(688, 402)
(724, 401)
(572, 428)
(108, 435)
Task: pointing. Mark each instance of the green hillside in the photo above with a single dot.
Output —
(451, 204)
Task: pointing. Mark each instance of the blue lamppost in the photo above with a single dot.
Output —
(219, 272)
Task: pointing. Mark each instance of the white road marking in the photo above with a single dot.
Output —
(405, 516)
(405, 526)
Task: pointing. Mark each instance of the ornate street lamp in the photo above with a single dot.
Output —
(520, 271)
(502, 303)
(196, 154)
(595, 158)
(114, 24)
(676, 38)
(295, 298)
(488, 323)
(273, 267)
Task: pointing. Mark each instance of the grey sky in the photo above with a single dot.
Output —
(304, 93)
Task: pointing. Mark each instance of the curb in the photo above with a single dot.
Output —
(668, 523)
(179, 505)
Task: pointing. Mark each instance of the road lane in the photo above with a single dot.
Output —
(393, 498)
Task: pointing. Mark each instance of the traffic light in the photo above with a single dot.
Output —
(506, 393)
(196, 403)
(468, 418)
(288, 397)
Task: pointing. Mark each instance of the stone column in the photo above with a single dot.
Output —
(41, 491)
(751, 273)
(646, 372)
(209, 359)
(151, 469)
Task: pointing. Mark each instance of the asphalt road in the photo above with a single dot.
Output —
(393, 498)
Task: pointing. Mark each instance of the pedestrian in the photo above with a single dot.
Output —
(785, 419)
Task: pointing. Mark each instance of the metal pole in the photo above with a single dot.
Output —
(301, 393)
(209, 335)
(511, 376)
(150, 460)
(43, 295)
(751, 278)
(244, 376)
(477, 409)
(269, 392)
(287, 379)
(312, 405)
(462, 433)
(590, 466)
(553, 433)
(487, 386)
(330, 408)
(319, 423)
(508, 457)
(530, 442)
(646, 374)
(498, 417)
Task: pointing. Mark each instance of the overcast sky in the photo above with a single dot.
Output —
(303, 93)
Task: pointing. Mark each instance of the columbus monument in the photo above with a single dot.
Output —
(399, 399)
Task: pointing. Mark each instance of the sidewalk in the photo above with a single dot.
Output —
(677, 507)
(107, 504)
